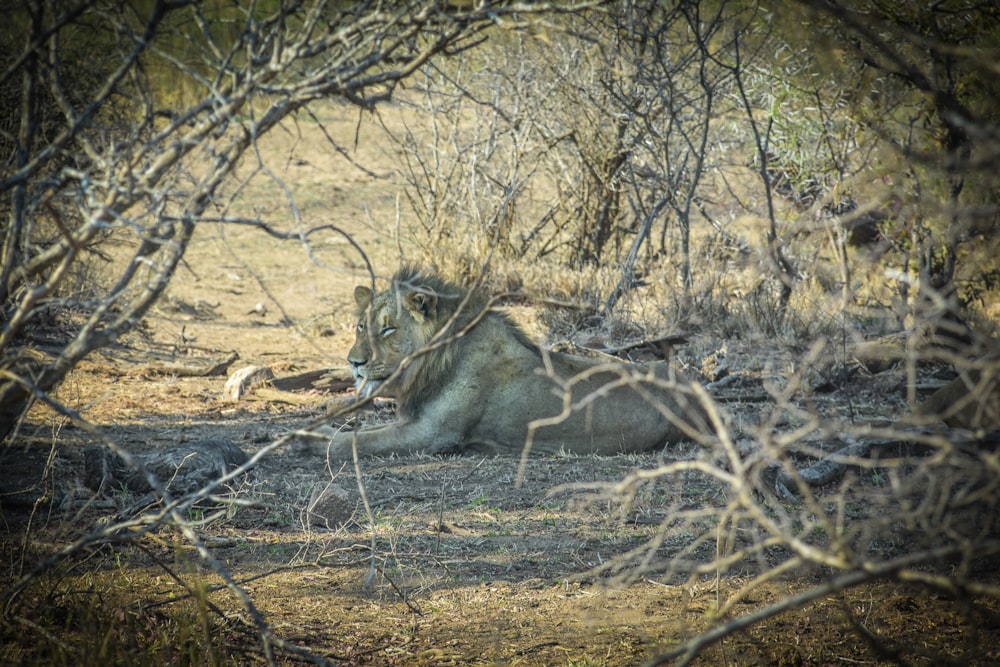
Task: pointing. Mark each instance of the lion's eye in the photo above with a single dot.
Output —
(361, 327)
(387, 331)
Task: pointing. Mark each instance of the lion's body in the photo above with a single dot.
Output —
(484, 387)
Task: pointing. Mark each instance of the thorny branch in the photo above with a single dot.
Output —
(154, 177)
(120, 157)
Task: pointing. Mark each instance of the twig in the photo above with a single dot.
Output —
(368, 511)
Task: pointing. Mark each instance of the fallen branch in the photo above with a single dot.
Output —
(833, 466)
(199, 367)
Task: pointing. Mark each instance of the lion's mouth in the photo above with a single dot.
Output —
(366, 386)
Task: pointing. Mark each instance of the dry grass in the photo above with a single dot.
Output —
(592, 561)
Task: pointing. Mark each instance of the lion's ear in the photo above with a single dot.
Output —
(362, 296)
(422, 303)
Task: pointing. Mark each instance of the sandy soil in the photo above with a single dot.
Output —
(453, 562)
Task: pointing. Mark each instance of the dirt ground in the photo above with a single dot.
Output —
(453, 562)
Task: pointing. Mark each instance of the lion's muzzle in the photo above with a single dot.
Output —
(364, 384)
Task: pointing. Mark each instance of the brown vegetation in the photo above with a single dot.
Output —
(618, 174)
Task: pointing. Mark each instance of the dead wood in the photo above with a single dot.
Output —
(833, 466)
(660, 347)
(260, 381)
(196, 367)
(330, 379)
(32, 475)
(182, 468)
(244, 380)
(969, 401)
(273, 395)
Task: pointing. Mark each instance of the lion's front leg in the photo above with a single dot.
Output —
(400, 438)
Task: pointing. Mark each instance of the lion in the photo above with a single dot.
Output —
(467, 379)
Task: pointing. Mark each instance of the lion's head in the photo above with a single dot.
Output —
(393, 325)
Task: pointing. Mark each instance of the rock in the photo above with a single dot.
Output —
(329, 507)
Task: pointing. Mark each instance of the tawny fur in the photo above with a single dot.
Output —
(484, 386)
